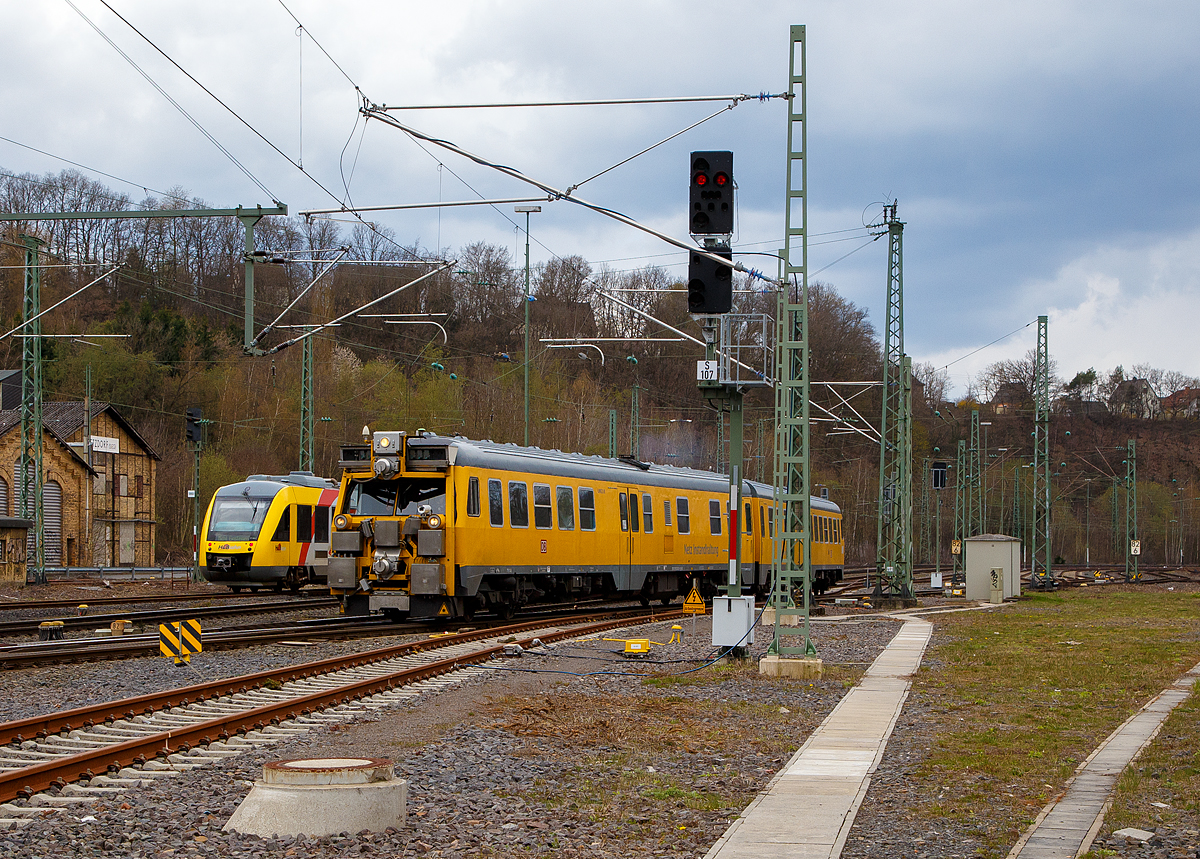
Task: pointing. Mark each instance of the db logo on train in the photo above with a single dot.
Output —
(543, 547)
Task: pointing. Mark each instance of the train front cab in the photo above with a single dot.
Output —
(389, 550)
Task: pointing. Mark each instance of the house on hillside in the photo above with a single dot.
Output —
(1184, 403)
(1135, 398)
(98, 503)
(1011, 397)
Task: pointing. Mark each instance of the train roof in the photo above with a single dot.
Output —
(513, 457)
(271, 484)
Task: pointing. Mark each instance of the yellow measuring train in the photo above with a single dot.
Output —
(268, 532)
(431, 526)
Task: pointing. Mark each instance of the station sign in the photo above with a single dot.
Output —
(104, 444)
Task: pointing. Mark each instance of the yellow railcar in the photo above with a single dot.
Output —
(268, 531)
(431, 526)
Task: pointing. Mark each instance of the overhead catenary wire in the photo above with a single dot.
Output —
(371, 111)
(166, 95)
(129, 182)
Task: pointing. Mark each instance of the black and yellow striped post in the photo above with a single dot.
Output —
(180, 640)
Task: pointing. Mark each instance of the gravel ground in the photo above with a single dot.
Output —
(525, 762)
(47, 689)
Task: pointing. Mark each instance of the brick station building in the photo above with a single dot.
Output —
(97, 514)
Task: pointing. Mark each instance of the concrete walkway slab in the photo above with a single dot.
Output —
(1066, 827)
(807, 809)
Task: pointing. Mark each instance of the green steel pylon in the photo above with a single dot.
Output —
(975, 485)
(792, 560)
(1131, 525)
(1042, 574)
(961, 484)
(29, 480)
(893, 544)
(307, 418)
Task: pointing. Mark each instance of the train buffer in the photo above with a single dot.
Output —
(179, 640)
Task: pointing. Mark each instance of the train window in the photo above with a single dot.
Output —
(714, 517)
(420, 492)
(624, 512)
(682, 516)
(587, 509)
(496, 503)
(837, 531)
(648, 513)
(371, 497)
(542, 515)
(566, 508)
(748, 525)
(237, 517)
(304, 523)
(321, 526)
(771, 522)
(283, 531)
(518, 504)
(761, 520)
(635, 513)
(667, 512)
(473, 496)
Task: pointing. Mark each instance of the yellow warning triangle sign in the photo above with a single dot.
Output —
(444, 611)
(694, 604)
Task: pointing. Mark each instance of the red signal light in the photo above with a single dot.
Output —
(701, 179)
(721, 180)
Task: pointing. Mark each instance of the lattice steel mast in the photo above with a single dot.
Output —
(1041, 573)
(30, 479)
(792, 562)
(893, 553)
(1131, 528)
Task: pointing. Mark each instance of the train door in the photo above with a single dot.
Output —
(632, 551)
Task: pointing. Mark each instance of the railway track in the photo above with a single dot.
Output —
(23, 604)
(167, 733)
(156, 616)
(132, 646)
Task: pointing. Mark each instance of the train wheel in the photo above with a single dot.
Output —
(278, 587)
(645, 601)
(665, 600)
(505, 610)
(236, 590)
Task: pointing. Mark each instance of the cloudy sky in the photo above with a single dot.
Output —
(1044, 154)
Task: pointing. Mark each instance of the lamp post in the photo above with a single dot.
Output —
(526, 210)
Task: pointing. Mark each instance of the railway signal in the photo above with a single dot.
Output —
(195, 432)
(710, 284)
(711, 209)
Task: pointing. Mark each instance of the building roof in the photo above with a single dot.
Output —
(67, 418)
(11, 419)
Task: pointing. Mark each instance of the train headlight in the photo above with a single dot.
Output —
(434, 521)
(341, 522)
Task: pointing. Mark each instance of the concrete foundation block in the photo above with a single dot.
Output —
(322, 797)
(808, 668)
(768, 618)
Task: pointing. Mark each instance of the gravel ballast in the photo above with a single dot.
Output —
(520, 762)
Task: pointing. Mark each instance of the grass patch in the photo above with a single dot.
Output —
(1021, 696)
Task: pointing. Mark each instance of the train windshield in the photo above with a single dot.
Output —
(238, 517)
(394, 497)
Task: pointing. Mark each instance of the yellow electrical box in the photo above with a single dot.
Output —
(637, 646)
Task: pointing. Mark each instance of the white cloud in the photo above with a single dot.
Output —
(1133, 303)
